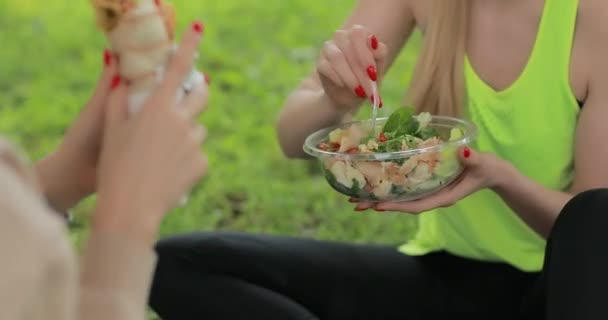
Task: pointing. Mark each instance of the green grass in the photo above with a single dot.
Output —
(256, 52)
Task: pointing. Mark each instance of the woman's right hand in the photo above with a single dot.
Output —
(347, 65)
(150, 160)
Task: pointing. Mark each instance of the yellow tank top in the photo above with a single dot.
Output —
(532, 125)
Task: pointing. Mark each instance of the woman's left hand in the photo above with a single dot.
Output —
(480, 172)
(69, 173)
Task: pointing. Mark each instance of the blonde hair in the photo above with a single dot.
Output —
(437, 84)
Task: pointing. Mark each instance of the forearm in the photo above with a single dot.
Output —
(118, 261)
(59, 182)
(306, 111)
(116, 273)
(536, 205)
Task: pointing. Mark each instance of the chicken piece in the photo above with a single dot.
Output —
(351, 137)
(383, 190)
(345, 174)
(424, 118)
(432, 159)
(328, 162)
(409, 165)
(336, 135)
(373, 171)
(429, 143)
(394, 173)
(372, 145)
(354, 175)
(420, 174)
(364, 149)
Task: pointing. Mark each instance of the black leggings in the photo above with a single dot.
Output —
(242, 276)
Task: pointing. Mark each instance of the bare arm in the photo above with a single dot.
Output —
(309, 108)
(535, 204)
(539, 206)
(116, 273)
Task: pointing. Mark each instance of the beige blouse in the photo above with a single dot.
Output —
(41, 277)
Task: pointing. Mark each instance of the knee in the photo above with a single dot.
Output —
(586, 212)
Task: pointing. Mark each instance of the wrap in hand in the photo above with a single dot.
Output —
(141, 34)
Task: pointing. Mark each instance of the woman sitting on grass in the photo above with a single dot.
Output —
(533, 76)
(140, 167)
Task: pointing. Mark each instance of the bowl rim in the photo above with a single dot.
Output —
(469, 127)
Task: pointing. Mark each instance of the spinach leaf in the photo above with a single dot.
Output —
(399, 161)
(390, 145)
(397, 190)
(428, 133)
(408, 128)
(398, 118)
(356, 188)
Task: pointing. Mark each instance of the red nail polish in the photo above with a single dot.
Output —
(107, 57)
(466, 152)
(371, 72)
(157, 2)
(360, 209)
(374, 42)
(379, 210)
(197, 27)
(379, 104)
(115, 82)
(353, 200)
(360, 92)
(207, 78)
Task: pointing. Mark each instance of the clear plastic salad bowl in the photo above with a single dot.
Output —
(391, 167)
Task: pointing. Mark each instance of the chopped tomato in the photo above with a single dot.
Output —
(382, 138)
(334, 145)
(323, 147)
(353, 150)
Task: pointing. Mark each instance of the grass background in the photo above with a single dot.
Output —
(256, 52)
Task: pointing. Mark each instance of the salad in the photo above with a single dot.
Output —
(400, 177)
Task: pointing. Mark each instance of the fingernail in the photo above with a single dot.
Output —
(207, 78)
(197, 27)
(374, 42)
(115, 82)
(157, 2)
(360, 209)
(466, 152)
(379, 104)
(353, 200)
(371, 72)
(107, 57)
(359, 91)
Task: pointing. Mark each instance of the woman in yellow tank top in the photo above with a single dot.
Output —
(533, 76)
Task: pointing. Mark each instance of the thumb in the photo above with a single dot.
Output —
(468, 157)
(117, 111)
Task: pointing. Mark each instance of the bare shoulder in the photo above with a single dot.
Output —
(593, 23)
(590, 49)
